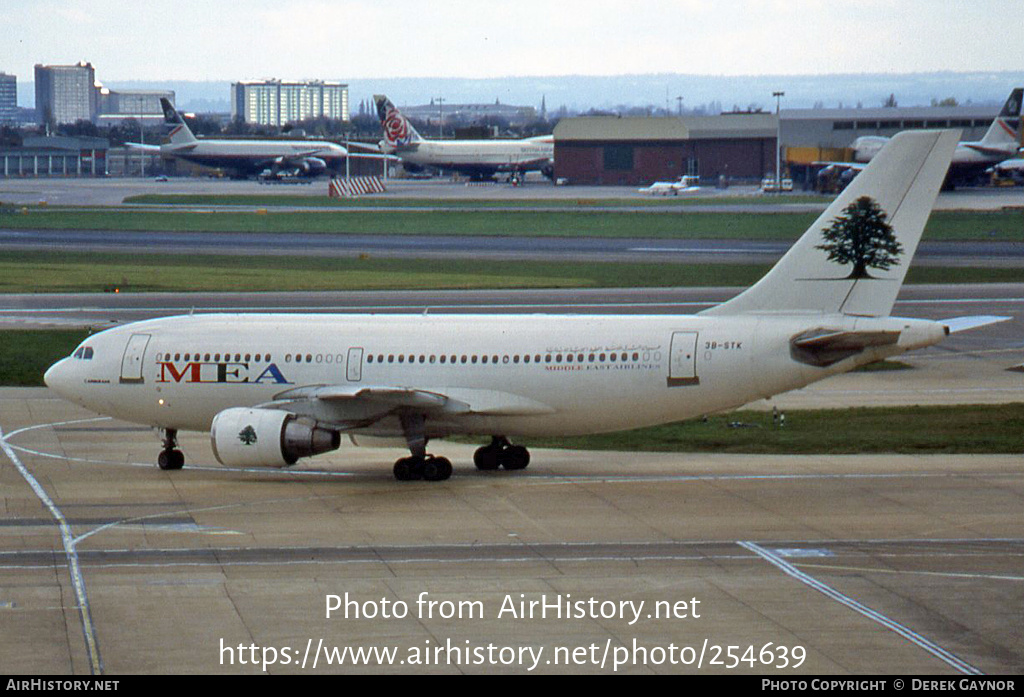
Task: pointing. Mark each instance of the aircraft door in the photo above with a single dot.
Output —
(354, 367)
(682, 367)
(131, 363)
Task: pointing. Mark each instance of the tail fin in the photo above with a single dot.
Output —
(903, 180)
(398, 132)
(1005, 128)
(180, 133)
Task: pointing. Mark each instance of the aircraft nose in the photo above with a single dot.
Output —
(56, 376)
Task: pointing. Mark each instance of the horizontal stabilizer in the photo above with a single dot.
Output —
(824, 347)
(962, 324)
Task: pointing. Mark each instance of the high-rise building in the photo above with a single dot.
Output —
(66, 93)
(277, 102)
(8, 98)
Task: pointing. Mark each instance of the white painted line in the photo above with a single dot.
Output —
(89, 632)
(905, 632)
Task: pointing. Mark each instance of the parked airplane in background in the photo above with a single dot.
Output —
(273, 388)
(686, 184)
(479, 159)
(252, 157)
(971, 158)
(1010, 170)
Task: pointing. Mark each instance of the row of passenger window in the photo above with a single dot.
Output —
(494, 359)
(215, 357)
(450, 359)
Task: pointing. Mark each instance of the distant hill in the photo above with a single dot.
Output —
(577, 93)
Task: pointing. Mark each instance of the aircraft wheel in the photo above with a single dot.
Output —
(170, 460)
(408, 469)
(437, 469)
(515, 457)
(487, 458)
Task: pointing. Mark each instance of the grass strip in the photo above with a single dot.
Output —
(25, 354)
(582, 202)
(48, 272)
(675, 224)
(966, 429)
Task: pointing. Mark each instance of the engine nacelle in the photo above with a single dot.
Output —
(313, 165)
(243, 437)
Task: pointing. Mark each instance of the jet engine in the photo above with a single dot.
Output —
(311, 166)
(244, 437)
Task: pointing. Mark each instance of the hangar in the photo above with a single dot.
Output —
(617, 150)
(56, 156)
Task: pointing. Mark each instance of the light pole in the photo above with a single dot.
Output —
(778, 141)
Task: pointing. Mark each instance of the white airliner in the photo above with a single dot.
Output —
(480, 159)
(273, 388)
(971, 158)
(249, 156)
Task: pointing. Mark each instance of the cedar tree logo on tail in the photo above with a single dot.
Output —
(861, 237)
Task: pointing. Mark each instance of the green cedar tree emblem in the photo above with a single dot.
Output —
(247, 435)
(860, 236)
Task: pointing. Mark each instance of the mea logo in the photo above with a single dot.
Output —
(227, 373)
(862, 238)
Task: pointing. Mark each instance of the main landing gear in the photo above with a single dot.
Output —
(170, 457)
(420, 465)
(427, 467)
(501, 453)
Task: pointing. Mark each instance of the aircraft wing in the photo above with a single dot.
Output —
(360, 405)
(840, 166)
(145, 147)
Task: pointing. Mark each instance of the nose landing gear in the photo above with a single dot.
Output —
(170, 457)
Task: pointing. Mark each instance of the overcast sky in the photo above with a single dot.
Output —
(348, 39)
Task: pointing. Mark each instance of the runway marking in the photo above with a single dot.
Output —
(699, 250)
(942, 654)
(70, 553)
(944, 574)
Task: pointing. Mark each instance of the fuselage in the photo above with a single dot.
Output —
(252, 156)
(565, 375)
(480, 155)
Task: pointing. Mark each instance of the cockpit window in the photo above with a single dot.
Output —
(79, 352)
(88, 353)
(84, 353)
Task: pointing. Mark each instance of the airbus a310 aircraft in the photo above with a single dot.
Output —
(274, 388)
(480, 159)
